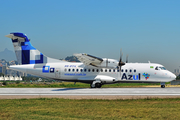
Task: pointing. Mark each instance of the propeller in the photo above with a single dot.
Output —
(120, 64)
(120, 60)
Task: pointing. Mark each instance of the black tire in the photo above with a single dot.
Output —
(98, 85)
(162, 86)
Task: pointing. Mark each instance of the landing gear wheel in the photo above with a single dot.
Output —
(162, 86)
(92, 86)
(98, 85)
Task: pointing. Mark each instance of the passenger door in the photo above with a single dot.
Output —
(58, 73)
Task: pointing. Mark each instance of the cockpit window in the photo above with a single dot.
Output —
(156, 68)
(160, 68)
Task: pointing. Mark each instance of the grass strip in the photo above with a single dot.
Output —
(71, 85)
(45, 108)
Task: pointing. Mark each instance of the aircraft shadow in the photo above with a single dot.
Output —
(65, 89)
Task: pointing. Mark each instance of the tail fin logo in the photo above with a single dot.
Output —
(25, 52)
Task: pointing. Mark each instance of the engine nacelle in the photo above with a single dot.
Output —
(105, 79)
(109, 63)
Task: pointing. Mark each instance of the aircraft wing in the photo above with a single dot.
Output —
(89, 59)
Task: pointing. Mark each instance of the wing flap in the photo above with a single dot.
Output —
(89, 59)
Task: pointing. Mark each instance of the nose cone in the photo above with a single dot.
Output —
(173, 76)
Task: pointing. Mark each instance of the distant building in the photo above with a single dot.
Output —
(11, 72)
(10, 78)
(15, 73)
(4, 70)
(176, 72)
(0, 69)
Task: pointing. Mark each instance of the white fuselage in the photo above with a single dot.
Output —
(78, 72)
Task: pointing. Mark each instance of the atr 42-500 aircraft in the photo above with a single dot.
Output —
(92, 70)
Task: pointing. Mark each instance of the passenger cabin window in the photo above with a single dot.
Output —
(81, 70)
(73, 70)
(114, 70)
(105, 70)
(134, 70)
(92, 70)
(126, 70)
(69, 70)
(122, 70)
(89, 70)
(77, 70)
(117, 70)
(101, 70)
(130, 70)
(97, 70)
(84, 70)
(109, 70)
(65, 70)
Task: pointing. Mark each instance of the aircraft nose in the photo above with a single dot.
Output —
(173, 76)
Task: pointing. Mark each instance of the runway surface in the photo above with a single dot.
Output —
(89, 93)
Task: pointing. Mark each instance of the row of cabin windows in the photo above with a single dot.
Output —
(96, 70)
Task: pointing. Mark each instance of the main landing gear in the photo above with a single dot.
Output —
(162, 85)
(96, 84)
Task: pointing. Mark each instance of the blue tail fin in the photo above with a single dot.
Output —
(25, 52)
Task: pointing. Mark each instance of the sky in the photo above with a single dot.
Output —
(145, 30)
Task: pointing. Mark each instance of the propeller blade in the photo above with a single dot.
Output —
(120, 60)
(126, 58)
(121, 54)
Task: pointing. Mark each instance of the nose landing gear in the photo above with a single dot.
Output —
(162, 85)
